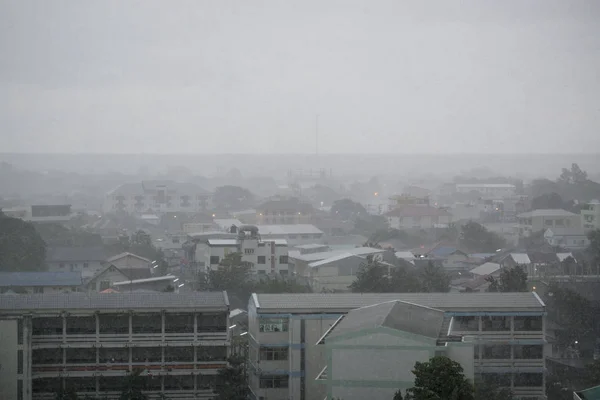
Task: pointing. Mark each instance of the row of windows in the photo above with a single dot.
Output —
(273, 325)
(273, 353)
(518, 380)
(274, 382)
(500, 352)
(494, 323)
(115, 383)
(214, 260)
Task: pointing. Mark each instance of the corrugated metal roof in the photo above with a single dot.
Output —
(486, 269)
(555, 212)
(25, 279)
(520, 258)
(293, 229)
(443, 301)
(331, 259)
(563, 256)
(399, 315)
(100, 301)
(126, 254)
(357, 251)
(154, 279)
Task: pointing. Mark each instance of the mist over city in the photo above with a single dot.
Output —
(275, 200)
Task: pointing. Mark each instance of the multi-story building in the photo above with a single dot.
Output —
(90, 342)
(418, 217)
(488, 191)
(541, 220)
(265, 256)
(508, 331)
(297, 234)
(88, 260)
(590, 215)
(157, 196)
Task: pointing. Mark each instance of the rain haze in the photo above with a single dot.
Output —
(251, 77)
(299, 200)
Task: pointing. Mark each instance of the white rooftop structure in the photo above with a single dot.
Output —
(520, 258)
(293, 229)
(486, 269)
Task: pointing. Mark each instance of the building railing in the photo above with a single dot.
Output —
(155, 367)
(152, 395)
(200, 337)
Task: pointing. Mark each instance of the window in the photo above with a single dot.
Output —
(466, 323)
(529, 379)
(86, 265)
(292, 236)
(19, 361)
(20, 331)
(560, 222)
(528, 323)
(273, 353)
(283, 272)
(283, 259)
(20, 389)
(496, 352)
(261, 272)
(273, 325)
(248, 251)
(214, 260)
(529, 352)
(496, 323)
(548, 222)
(61, 265)
(104, 285)
(305, 236)
(262, 260)
(38, 289)
(277, 381)
(496, 379)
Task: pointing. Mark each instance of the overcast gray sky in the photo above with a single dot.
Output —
(386, 76)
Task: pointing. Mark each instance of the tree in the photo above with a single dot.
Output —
(232, 381)
(547, 201)
(404, 279)
(574, 175)
(434, 279)
(371, 278)
(59, 235)
(440, 378)
(475, 237)
(232, 273)
(67, 393)
(21, 247)
(347, 209)
(140, 243)
(593, 249)
(510, 280)
(233, 197)
(132, 386)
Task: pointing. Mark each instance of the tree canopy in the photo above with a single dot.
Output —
(347, 209)
(232, 381)
(21, 246)
(440, 378)
(476, 238)
(233, 197)
(510, 280)
(132, 386)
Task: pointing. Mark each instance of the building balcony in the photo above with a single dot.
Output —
(122, 369)
(199, 394)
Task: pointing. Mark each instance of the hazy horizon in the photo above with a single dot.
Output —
(236, 77)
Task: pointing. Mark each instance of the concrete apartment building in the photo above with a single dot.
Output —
(90, 342)
(266, 256)
(541, 220)
(590, 215)
(286, 361)
(372, 350)
(488, 191)
(40, 282)
(158, 196)
(294, 234)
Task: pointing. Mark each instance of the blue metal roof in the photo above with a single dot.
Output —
(15, 279)
(443, 251)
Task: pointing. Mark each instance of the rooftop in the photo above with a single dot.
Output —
(68, 254)
(487, 268)
(326, 261)
(486, 185)
(112, 301)
(154, 279)
(357, 251)
(417, 211)
(554, 212)
(126, 254)
(526, 301)
(399, 315)
(293, 229)
(27, 279)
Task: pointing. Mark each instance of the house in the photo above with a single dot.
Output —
(541, 220)
(567, 238)
(294, 234)
(451, 257)
(418, 217)
(105, 279)
(334, 273)
(590, 215)
(40, 282)
(487, 269)
(300, 263)
(376, 347)
(158, 196)
(284, 211)
(86, 260)
(488, 191)
(129, 260)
